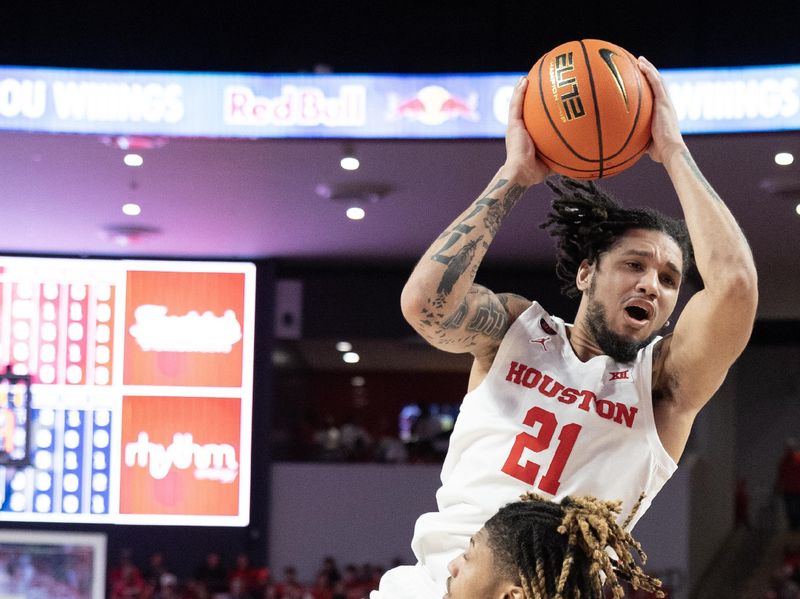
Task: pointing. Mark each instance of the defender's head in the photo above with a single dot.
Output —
(536, 548)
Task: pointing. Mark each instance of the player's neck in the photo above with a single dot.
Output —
(581, 339)
(583, 343)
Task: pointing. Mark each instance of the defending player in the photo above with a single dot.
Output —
(602, 407)
(538, 549)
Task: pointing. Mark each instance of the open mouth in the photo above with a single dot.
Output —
(637, 313)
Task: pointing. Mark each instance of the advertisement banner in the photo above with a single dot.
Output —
(184, 329)
(141, 381)
(180, 455)
(359, 106)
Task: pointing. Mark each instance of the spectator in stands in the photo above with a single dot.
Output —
(245, 576)
(328, 441)
(129, 584)
(168, 587)
(389, 449)
(212, 574)
(154, 571)
(331, 570)
(424, 432)
(351, 582)
(322, 588)
(356, 441)
(339, 592)
(126, 579)
(286, 588)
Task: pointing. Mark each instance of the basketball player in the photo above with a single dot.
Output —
(536, 548)
(601, 407)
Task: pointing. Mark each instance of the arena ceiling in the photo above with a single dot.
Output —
(259, 198)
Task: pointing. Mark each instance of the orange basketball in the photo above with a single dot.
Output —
(588, 109)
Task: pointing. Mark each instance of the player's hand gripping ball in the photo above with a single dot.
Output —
(588, 109)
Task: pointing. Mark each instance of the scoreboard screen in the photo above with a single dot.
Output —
(140, 397)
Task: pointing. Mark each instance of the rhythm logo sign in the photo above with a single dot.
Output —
(180, 455)
(210, 461)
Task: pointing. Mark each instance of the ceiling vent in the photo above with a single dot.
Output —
(125, 235)
(350, 192)
(787, 186)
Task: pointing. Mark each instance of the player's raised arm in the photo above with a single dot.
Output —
(715, 325)
(440, 299)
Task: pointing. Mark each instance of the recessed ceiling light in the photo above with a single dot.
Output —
(133, 160)
(349, 163)
(797, 209)
(344, 346)
(784, 158)
(355, 213)
(131, 209)
(351, 357)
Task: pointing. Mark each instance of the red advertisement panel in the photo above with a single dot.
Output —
(184, 328)
(180, 455)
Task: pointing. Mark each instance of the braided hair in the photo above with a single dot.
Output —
(559, 550)
(587, 221)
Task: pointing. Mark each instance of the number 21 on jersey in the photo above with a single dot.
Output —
(539, 442)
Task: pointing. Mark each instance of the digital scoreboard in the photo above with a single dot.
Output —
(140, 397)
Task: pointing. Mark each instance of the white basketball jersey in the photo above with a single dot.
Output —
(541, 421)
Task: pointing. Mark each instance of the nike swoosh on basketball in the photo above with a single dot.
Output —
(608, 58)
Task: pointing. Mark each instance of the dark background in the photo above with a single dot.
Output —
(403, 37)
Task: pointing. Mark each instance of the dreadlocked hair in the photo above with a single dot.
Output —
(587, 221)
(559, 550)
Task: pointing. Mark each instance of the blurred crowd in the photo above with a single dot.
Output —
(328, 439)
(213, 579)
(785, 580)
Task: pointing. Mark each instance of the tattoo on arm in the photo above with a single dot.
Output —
(495, 211)
(505, 297)
(456, 267)
(489, 320)
(455, 235)
(699, 176)
(457, 318)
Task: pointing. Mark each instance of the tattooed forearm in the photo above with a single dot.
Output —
(498, 210)
(452, 237)
(495, 211)
(456, 267)
(698, 175)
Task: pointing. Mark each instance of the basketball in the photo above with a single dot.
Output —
(588, 109)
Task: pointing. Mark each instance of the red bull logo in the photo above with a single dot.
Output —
(434, 105)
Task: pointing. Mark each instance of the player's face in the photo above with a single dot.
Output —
(632, 289)
(473, 575)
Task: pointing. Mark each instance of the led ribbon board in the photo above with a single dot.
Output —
(351, 106)
(141, 394)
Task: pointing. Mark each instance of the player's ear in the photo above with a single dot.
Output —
(585, 273)
(514, 592)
